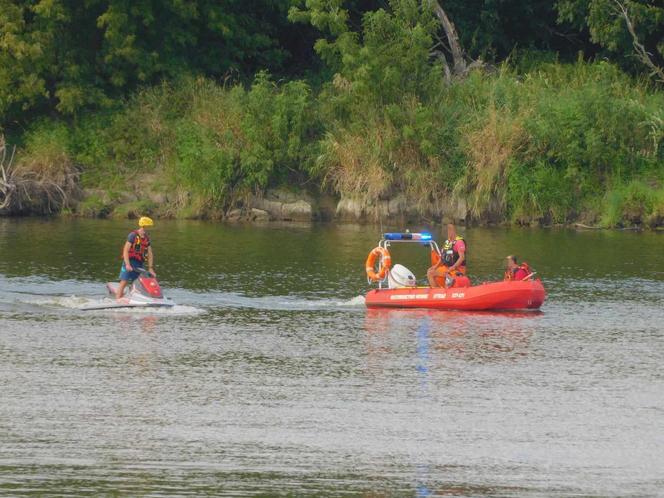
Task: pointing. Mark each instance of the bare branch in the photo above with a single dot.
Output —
(641, 53)
(7, 187)
(438, 54)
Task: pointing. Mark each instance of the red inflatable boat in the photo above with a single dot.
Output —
(528, 294)
(401, 290)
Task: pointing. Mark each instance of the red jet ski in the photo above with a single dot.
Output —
(401, 290)
(144, 292)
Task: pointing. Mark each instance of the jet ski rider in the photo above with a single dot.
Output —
(452, 259)
(137, 249)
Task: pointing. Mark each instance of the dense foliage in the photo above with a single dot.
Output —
(70, 54)
(65, 55)
(561, 123)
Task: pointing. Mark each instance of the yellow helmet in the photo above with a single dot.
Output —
(144, 221)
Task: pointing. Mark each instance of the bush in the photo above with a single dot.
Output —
(635, 203)
(43, 179)
(278, 127)
(201, 166)
(93, 206)
(134, 210)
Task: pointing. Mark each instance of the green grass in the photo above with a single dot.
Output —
(93, 206)
(635, 203)
(134, 209)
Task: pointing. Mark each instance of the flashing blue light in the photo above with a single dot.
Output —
(424, 236)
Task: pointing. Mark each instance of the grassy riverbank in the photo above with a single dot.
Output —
(556, 143)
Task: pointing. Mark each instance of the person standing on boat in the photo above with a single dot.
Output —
(451, 262)
(135, 252)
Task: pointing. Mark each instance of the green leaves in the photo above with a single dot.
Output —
(607, 27)
(276, 124)
(325, 15)
(69, 55)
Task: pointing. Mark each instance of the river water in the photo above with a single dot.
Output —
(271, 377)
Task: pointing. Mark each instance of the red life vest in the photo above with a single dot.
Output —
(518, 273)
(139, 249)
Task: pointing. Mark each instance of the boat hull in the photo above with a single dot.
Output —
(489, 296)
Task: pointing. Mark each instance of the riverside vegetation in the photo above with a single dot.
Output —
(554, 121)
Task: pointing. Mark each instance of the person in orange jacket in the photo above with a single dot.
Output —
(452, 261)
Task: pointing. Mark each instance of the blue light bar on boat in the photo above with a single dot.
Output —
(424, 236)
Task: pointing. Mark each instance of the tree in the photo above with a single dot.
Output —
(465, 30)
(400, 39)
(459, 65)
(492, 29)
(620, 27)
(640, 50)
(65, 55)
(385, 58)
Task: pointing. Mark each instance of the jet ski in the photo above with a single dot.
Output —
(144, 292)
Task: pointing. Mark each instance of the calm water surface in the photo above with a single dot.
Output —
(270, 376)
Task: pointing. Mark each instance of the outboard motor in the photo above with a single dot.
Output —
(400, 276)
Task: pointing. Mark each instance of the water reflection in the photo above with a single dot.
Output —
(131, 323)
(423, 339)
(483, 337)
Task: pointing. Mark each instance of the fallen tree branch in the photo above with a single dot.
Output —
(587, 227)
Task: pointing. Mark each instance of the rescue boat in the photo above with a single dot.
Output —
(397, 286)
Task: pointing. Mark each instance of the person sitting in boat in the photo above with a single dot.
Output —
(136, 251)
(516, 271)
(451, 262)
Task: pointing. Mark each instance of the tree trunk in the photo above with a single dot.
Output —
(459, 65)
